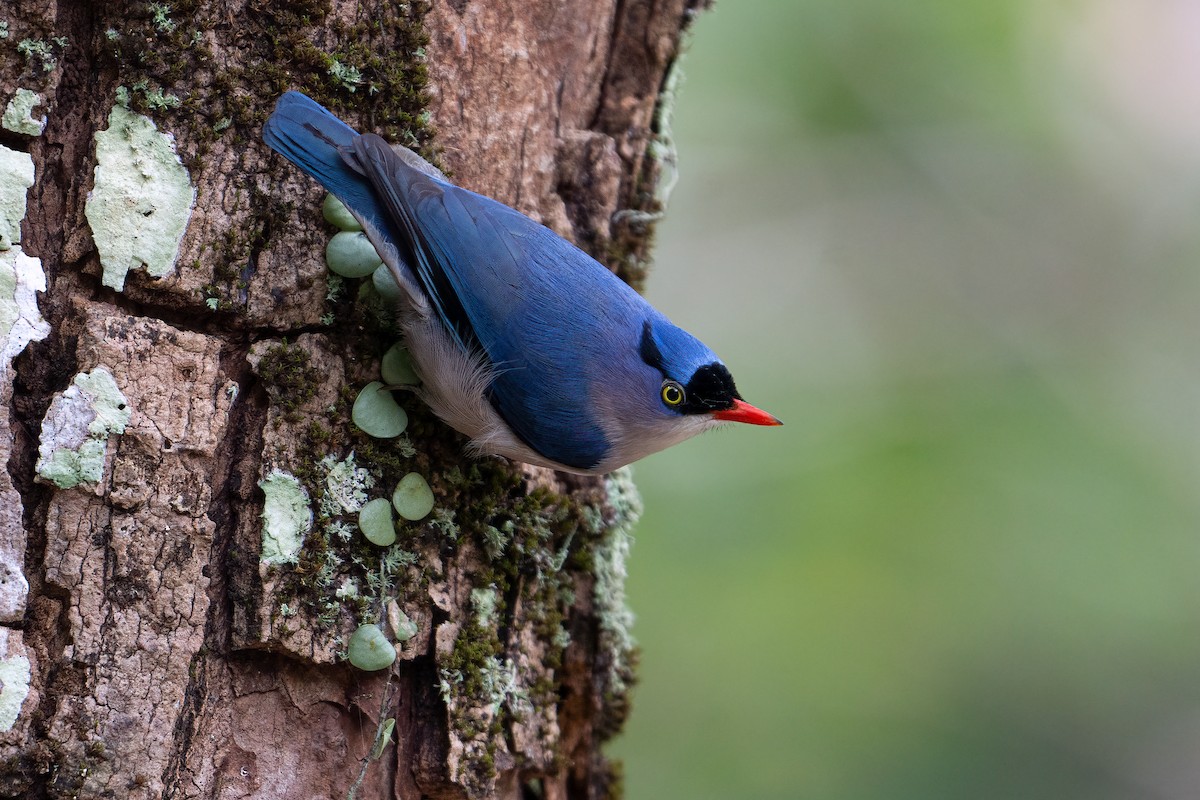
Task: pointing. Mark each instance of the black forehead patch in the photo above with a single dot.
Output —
(710, 389)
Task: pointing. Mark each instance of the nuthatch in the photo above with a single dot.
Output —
(523, 342)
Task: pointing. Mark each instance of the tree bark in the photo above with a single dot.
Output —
(179, 388)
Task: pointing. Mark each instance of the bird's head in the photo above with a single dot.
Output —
(695, 383)
(682, 389)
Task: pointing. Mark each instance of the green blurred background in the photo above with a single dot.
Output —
(954, 245)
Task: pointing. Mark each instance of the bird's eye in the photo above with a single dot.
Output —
(672, 394)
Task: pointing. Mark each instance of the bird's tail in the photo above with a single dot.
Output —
(306, 134)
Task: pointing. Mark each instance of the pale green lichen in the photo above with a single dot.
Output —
(443, 522)
(396, 367)
(21, 321)
(18, 115)
(377, 414)
(139, 208)
(336, 213)
(376, 522)
(346, 486)
(484, 601)
(41, 51)
(350, 77)
(111, 407)
(499, 683)
(76, 428)
(16, 176)
(413, 499)
(161, 17)
(495, 540)
(369, 649)
(286, 517)
(609, 557)
(14, 688)
(351, 255)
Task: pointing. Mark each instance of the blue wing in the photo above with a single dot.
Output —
(558, 327)
(554, 322)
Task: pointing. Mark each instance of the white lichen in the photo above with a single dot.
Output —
(142, 199)
(76, 429)
(500, 684)
(609, 565)
(346, 486)
(14, 588)
(348, 590)
(484, 601)
(14, 688)
(16, 176)
(18, 115)
(21, 277)
(286, 516)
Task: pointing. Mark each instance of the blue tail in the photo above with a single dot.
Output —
(303, 132)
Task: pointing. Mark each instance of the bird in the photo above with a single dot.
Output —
(524, 343)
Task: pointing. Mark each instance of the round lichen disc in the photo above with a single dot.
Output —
(375, 521)
(413, 498)
(351, 254)
(337, 214)
(369, 649)
(386, 285)
(377, 414)
(397, 368)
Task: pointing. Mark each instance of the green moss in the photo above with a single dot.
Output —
(375, 66)
(289, 378)
(473, 651)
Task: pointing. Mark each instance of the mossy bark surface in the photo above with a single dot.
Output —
(147, 646)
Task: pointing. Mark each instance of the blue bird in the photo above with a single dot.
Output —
(522, 341)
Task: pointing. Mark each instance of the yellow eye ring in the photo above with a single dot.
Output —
(672, 393)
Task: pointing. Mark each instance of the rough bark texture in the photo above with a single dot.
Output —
(150, 643)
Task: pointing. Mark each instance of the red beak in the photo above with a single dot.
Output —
(744, 412)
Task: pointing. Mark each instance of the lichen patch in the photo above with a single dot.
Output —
(76, 428)
(18, 114)
(14, 688)
(16, 176)
(21, 277)
(142, 199)
(286, 518)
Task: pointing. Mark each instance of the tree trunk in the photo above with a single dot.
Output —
(180, 566)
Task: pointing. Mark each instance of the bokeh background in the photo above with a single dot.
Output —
(955, 245)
